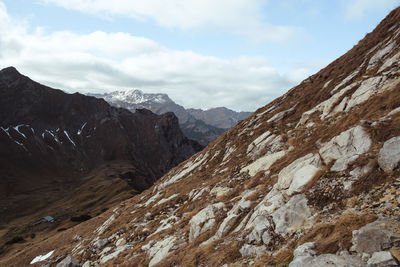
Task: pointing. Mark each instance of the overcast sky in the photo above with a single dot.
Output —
(203, 53)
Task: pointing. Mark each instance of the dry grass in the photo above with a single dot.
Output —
(330, 237)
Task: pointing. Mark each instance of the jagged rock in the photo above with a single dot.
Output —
(204, 220)
(389, 155)
(382, 259)
(345, 148)
(292, 216)
(159, 250)
(304, 255)
(327, 260)
(68, 261)
(371, 238)
(305, 249)
(250, 250)
(100, 244)
(87, 264)
(297, 174)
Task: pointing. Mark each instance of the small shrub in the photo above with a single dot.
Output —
(81, 218)
(15, 239)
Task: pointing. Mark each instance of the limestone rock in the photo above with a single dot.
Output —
(68, 261)
(327, 260)
(389, 155)
(292, 216)
(305, 249)
(204, 220)
(250, 250)
(297, 174)
(345, 148)
(382, 259)
(371, 238)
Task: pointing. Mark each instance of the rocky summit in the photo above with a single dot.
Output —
(203, 126)
(311, 179)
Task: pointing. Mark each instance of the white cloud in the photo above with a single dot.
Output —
(100, 62)
(357, 8)
(242, 17)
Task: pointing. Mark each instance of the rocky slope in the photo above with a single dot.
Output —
(311, 179)
(51, 144)
(202, 126)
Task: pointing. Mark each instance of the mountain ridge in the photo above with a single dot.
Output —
(202, 126)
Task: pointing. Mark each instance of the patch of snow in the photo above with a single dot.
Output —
(69, 138)
(51, 133)
(20, 144)
(81, 129)
(42, 257)
(6, 130)
(17, 129)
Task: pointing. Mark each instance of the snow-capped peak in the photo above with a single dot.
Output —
(136, 96)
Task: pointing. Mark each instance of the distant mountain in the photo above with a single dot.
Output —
(202, 126)
(51, 141)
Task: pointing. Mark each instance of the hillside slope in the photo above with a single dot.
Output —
(311, 179)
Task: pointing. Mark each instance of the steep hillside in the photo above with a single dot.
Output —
(311, 179)
(52, 144)
(202, 126)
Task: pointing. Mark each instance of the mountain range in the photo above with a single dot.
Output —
(204, 126)
(310, 179)
(58, 147)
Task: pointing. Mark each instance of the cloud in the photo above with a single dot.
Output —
(101, 62)
(241, 17)
(357, 8)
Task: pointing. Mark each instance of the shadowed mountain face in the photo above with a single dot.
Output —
(202, 126)
(50, 137)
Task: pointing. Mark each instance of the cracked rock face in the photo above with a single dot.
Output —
(345, 148)
(389, 155)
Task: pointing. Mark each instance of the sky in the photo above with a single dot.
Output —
(240, 54)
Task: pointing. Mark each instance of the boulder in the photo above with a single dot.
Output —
(68, 261)
(292, 216)
(382, 259)
(345, 148)
(327, 260)
(297, 174)
(389, 155)
(250, 250)
(204, 220)
(371, 238)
